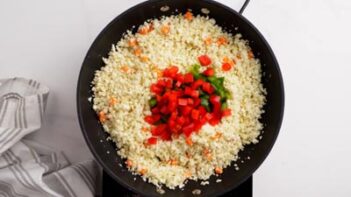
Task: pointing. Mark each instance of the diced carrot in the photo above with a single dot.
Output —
(129, 163)
(218, 170)
(189, 141)
(229, 61)
(165, 29)
(143, 171)
(216, 136)
(133, 42)
(112, 101)
(187, 174)
(222, 40)
(208, 41)
(173, 162)
(144, 30)
(102, 117)
(137, 51)
(124, 68)
(188, 16)
(145, 129)
(207, 154)
(250, 55)
(144, 58)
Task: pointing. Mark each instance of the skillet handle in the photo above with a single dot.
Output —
(244, 6)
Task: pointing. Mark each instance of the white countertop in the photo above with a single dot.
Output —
(47, 41)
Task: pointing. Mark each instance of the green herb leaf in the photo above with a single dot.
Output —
(152, 102)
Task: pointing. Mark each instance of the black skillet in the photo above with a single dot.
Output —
(230, 20)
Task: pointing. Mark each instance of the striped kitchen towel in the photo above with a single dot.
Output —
(28, 168)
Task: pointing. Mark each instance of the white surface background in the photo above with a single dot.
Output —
(47, 41)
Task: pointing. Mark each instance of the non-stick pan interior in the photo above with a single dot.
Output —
(105, 151)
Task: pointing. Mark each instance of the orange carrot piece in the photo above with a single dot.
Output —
(208, 41)
(124, 69)
(229, 61)
(145, 129)
(144, 58)
(102, 117)
(218, 170)
(188, 16)
(137, 51)
(143, 171)
(216, 136)
(165, 29)
(222, 41)
(250, 55)
(112, 101)
(132, 42)
(187, 174)
(129, 163)
(173, 162)
(144, 30)
(189, 141)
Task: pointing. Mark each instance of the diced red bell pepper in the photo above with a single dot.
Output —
(202, 111)
(188, 78)
(195, 114)
(174, 115)
(197, 126)
(156, 117)
(158, 98)
(187, 120)
(195, 93)
(180, 77)
(180, 120)
(214, 99)
(169, 83)
(197, 84)
(171, 72)
(176, 129)
(207, 87)
(190, 101)
(155, 110)
(171, 123)
(226, 66)
(214, 121)
(172, 105)
(166, 136)
(208, 116)
(188, 91)
(155, 89)
(202, 121)
(159, 129)
(209, 72)
(152, 141)
(226, 112)
(187, 130)
(186, 110)
(149, 119)
(178, 84)
(204, 60)
(182, 101)
(197, 102)
(161, 83)
(164, 109)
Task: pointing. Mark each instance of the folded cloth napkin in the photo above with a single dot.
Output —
(28, 168)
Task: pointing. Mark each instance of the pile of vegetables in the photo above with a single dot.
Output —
(183, 103)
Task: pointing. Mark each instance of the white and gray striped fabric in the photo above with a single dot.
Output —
(28, 168)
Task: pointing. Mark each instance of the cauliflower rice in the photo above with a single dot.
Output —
(133, 65)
